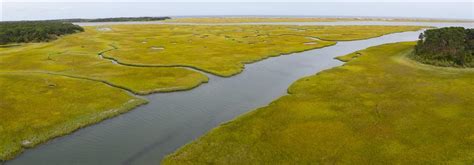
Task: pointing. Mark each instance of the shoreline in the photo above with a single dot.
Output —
(72, 126)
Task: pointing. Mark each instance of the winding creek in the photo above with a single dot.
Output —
(148, 133)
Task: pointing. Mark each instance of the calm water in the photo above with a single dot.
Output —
(148, 133)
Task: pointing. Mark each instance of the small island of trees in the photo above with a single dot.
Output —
(450, 46)
(35, 31)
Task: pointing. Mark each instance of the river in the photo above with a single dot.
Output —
(148, 133)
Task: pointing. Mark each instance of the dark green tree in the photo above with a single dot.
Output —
(450, 46)
(35, 31)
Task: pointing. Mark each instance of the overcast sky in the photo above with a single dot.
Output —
(54, 9)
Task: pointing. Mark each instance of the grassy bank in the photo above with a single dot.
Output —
(38, 107)
(379, 108)
(223, 50)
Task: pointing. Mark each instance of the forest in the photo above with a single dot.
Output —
(35, 31)
(450, 46)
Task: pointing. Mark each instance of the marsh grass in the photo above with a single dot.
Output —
(442, 63)
(224, 50)
(36, 107)
(77, 55)
(379, 108)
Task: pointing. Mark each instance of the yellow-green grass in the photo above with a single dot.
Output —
(379, 108)
(36, 107)
(77, 56)
(223, 50)
(297, 19)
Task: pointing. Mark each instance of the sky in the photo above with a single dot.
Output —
(58, 9)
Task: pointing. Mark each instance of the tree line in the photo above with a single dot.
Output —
(450, 46)
(35, 31)
(118, 19)
(47, 30)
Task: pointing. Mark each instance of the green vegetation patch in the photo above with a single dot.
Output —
(38, 107)
(35, 31)
(450, 46)
(379, 108)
